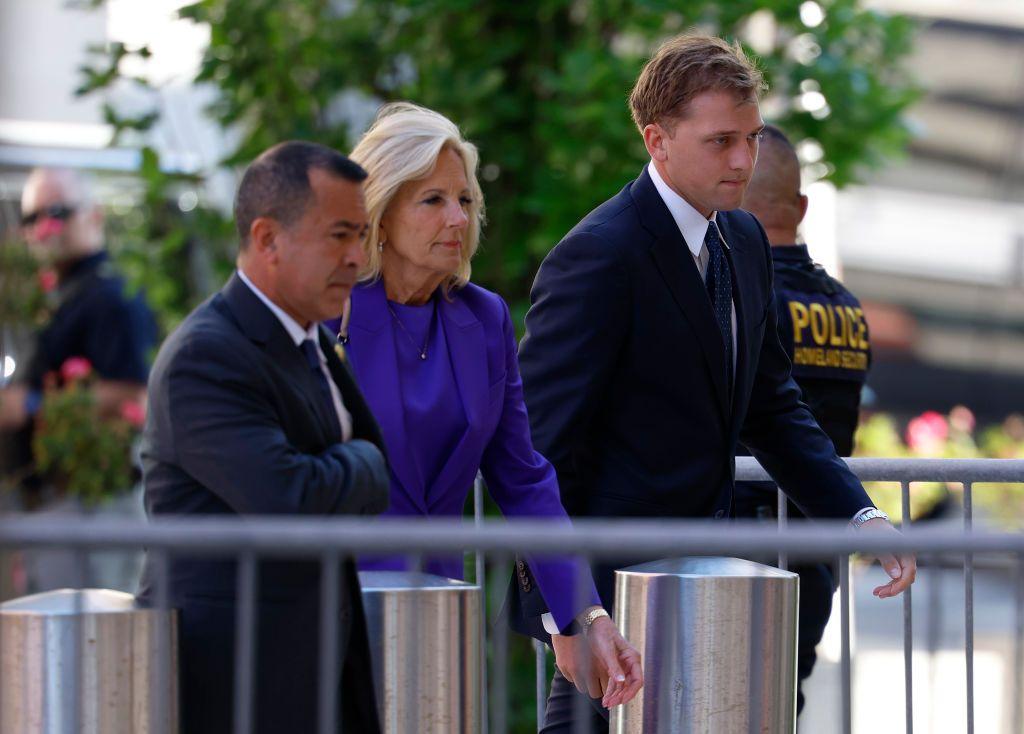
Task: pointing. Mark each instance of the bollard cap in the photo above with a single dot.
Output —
(705, 567)
(66, 602)
(409, 581)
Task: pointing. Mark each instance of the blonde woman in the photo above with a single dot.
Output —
(436, 359)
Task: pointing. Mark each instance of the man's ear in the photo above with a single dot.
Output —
(263, 237)
(802, 203)
(654, 140)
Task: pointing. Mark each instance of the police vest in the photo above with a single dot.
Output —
(821, 324)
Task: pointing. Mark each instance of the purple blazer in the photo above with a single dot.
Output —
(482, 350)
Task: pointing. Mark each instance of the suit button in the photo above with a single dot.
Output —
(719, 514)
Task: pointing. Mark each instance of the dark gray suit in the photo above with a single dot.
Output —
(237, 426)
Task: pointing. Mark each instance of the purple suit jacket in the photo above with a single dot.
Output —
(482, 346)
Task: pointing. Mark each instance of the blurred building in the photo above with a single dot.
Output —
(935, 243)
(43, 45)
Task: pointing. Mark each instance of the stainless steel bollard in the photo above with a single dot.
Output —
(110, 682)
(718, 640)
(425, 644)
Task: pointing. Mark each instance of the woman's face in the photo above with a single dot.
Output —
(424, 227)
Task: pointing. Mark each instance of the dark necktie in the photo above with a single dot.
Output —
(719, 284)
(327, 400)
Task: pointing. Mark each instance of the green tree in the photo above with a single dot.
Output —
(540, 86)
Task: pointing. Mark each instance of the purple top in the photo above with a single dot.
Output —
(458, 411)
(434, 419)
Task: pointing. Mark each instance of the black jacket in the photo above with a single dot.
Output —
(236, 426)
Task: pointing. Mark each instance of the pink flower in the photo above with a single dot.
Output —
(75, 368)
(927, 433)
(134, 413)
(47, 280)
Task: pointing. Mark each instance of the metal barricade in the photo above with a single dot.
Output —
(330, 540)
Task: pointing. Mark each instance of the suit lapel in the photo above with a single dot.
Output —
(467, 349)
(363, 424)
(674, 262)
(372, 348)
(264, 328)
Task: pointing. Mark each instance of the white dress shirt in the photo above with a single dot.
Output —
(299, 335)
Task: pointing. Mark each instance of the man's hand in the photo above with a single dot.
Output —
(600, 663)
(12, 407)
(902, 570)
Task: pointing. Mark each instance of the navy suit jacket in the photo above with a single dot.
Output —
(237, 426)
(625, 379)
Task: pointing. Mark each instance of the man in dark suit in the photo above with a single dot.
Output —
(251, 412)
(651, 347)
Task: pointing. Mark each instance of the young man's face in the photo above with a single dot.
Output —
(709, 155)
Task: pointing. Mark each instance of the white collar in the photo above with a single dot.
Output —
(294, 329)
(692, 224)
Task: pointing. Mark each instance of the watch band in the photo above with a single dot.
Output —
(868, 513)
(592, 616)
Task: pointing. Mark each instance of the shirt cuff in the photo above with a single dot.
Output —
(548, 620)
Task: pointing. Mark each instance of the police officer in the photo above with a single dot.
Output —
(822, 327)
(93, 316)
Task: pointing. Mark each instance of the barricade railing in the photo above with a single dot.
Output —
(253, 539)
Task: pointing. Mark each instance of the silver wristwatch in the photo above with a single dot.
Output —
(869, 513)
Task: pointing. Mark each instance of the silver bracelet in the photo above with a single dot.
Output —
(592, 616)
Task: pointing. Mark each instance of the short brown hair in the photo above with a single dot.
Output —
(686, 66)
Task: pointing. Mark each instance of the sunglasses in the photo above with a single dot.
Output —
(59, 212)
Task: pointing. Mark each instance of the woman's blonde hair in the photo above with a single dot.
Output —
(403, 144)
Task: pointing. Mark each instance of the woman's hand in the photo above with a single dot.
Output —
(600, 663)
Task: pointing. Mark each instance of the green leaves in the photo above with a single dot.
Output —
(539, 85)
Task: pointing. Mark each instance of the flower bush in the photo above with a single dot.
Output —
(82, 454)
(954, 435)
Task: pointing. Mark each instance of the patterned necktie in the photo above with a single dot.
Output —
(327, 400)
(719, 284)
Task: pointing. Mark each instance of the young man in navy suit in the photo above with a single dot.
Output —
(651, 344)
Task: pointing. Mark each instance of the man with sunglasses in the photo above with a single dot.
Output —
(94, 316)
